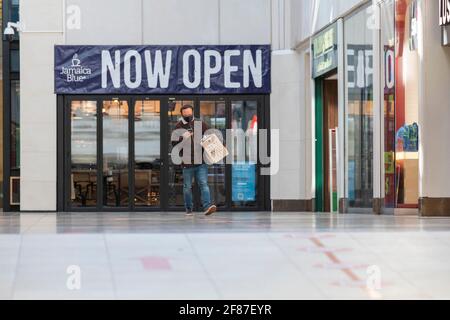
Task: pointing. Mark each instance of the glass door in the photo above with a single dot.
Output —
(147, 153)
(175, 195)
(116, 178)
(83, 156)
(244, 168)
(117, 153)
(114, 154)
(214, 114)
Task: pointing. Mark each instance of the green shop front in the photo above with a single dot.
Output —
(325, 75)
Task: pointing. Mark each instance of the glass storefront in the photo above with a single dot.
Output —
(401, 103)
(325, 74)
(359, 116)
(399, 65)
(406, 105)
(388, 89)
(108, 138)
(10, 96)
(399, 129)
(115, 150)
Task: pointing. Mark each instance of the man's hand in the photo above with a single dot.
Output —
(187, 135)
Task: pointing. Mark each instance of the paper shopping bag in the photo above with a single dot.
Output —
(215, 151)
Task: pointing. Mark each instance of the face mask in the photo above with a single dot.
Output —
(188, 119)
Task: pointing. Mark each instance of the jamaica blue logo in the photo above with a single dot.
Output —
(76, 72)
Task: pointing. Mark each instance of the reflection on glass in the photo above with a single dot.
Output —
(359, 118)
(15, 125)
(83, 153)
(115, 153)
(244, 127)
(13, 15)
(406, 108)
(175, 173)
(213, 113)
(388, 68)
(147, 116)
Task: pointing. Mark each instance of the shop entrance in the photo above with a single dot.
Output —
(115, 154)
(327, 121)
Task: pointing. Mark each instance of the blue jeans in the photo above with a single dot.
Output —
(201, 176)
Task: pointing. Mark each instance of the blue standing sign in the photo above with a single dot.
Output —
(243, 182)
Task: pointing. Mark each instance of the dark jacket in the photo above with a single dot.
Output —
(189, 126)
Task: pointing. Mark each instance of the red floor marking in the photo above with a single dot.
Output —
(357, 284)
(336, 260)
(309, 236)
(155, 263)
(354, 281)
(317, 242)
(323, 250)
(341, 266)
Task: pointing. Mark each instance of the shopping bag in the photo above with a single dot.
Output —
(215, 151)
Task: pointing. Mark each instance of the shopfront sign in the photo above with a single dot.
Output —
(389, 70)
(324, 47)
(413, 25)
(444, 12)
(163, 69)
(444, 21)
(359, 67)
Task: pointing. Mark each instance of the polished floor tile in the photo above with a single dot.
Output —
(228, 256)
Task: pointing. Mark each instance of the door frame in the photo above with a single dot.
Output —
(321, 171)
(64, 152)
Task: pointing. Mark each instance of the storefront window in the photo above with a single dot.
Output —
(406, 105)
(245, 153)
(213, 113)
(359, 115)
(147, 126)
(15, 125)
(83, 177)
(388, 87)
(14, 14)
(11, 14)
(115, 153)
(15, 61)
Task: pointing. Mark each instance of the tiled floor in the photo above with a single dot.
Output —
(228, 256)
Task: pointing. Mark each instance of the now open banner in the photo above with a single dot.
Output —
(243, 69)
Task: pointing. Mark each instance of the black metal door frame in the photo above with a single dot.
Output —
(64, 153)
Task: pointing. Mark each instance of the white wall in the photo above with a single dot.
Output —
(287, 117)
(164, 22)
(38, 103)
(309, 16)
(434, 107)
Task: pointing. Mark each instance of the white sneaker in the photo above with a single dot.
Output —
(211, 210)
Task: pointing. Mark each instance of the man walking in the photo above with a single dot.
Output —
(193, 167)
